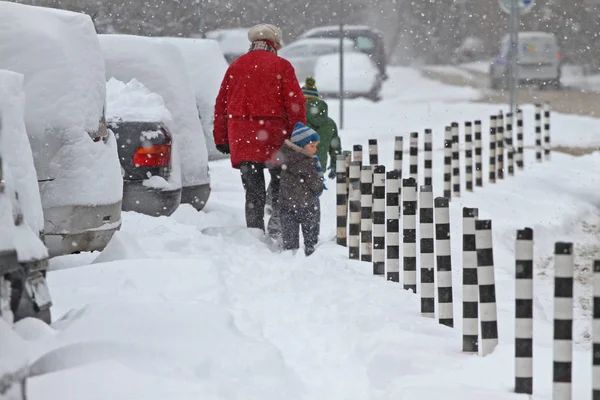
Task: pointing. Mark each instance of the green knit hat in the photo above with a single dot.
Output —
(310, 89)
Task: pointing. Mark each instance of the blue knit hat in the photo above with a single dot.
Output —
(303, 135)
(310, 89)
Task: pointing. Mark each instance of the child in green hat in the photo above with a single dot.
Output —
(318, 119)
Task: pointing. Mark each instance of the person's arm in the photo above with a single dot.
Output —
(220, 125)
(295, 104)
(335, 147)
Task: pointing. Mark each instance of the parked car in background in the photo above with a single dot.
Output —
(304, 53)
(366, 39)
(471, 49)
(75, 155)
(160, 67)
(23, 256)
(233, 42)
(361, 77)
(139, 121)
(539, 61)
(206, 68)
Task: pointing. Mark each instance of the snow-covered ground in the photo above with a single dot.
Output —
(196, 306)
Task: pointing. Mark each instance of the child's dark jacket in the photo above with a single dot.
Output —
(301, 183)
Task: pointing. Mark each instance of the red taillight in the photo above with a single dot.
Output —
(559, 55)
(157, 155)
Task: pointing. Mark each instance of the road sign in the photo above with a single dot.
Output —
(524, 5)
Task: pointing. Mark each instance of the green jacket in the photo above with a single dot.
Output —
(318, 119)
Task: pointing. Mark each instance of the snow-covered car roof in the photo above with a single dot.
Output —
(315, 42)
(231, 41)
(132, 101)
(160, 66)
(59, 55)
(323, 29)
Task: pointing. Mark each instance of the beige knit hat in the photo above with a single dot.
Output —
(266, 32)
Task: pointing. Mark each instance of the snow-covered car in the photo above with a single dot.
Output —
(160, 67)
(539, 61)
(233, 42)
(23, 256)
(304, 53)
(139, 121)
(206, 68)
(75, 155)
(366, 40)
(361, 77)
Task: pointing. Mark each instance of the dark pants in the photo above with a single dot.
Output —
(253, 179)
(308, 219)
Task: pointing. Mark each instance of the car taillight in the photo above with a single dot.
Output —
(559, 55)
(156, 155)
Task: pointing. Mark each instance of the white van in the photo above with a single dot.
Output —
(539, 61)
(206, 67)
(160, 67)
(75, 156)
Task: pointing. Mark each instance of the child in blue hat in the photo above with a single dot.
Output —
(302, 182)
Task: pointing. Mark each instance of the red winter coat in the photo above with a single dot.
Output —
(258, 104)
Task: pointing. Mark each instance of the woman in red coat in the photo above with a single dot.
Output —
(258, 105)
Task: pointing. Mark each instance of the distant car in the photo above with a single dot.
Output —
(471, 49)
(23, 256)
(304, 53)
(160, 67)
(233, 42)
(139, 121)
(75, 155)
(539, 61)
(361, 77)
(206, 68)
(366, 39)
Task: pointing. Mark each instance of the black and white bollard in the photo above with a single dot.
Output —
(470, 289)
(348, 159)
(355, 211)
(393, 227)
(487, 286)
(493, 124)
(373, 152)
(596, 333)
(428, 158)
(444, 261)
(398, 152)
(520, 157)
(547, 149)
(524, 312)
(564, 266)
(357, 154)
(414, 156)
(448, 162)
(469, 156)
(341, 203)
(538, 132)
(427, 260)
(455, 160)
(478, 155)
(500, 146)
(510, 149)
(379, 220)
(366, 217)
(409, 234)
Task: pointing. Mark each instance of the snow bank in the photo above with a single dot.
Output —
(59, 55)
(17, 156)
(122, 246)
(161, 68)
(13, 360)
(132, 101)
(359, 73)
